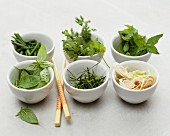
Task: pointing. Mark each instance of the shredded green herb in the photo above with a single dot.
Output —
(87, 79)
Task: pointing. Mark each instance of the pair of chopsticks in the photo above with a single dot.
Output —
(61, 100)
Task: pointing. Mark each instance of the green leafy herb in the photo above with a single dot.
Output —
(42, 54)
(87, 79)
(36, 74)
(27, 115)
(28, 48)
(29, 81)
(134, 44)
(81, 44)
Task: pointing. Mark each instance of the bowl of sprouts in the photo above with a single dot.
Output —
(135, 81)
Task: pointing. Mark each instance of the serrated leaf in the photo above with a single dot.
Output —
(42, 53)
(154, 40)
(139, 40)
(27, 115)
(152, 49)
(29, 81)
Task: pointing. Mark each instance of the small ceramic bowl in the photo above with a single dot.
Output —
(46, 40)
(28, 96)
(85, 95)
(96, 57)
(121, 57)
(136, 96)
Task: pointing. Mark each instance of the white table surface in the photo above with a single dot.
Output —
(109, 115)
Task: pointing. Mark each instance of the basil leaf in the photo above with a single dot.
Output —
(23, 73)
(45, 76)
(27, 115)
(45, 64)
(33, 66)
(29, 81)
(152, 49)
(41, 84)
(154, 40)
(42, 53)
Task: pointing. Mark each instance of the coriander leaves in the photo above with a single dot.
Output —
(134, 44)
(81, 44)
(27, 115)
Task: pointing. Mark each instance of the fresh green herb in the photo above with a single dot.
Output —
(87, 79)
(28, 48)
(134, 44)
(81, 44)
(27, 115)
(36, 74)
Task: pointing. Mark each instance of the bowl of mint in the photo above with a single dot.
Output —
(130, 45)
(84, 44)
(31, 81)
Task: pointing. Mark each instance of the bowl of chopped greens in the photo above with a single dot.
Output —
(130, 45)
(26, 46)
(85, 80)
(31, 81)
(135, 81)
(82, 45)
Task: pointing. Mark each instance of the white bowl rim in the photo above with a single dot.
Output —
(102, 41)
(122, 55)
(38, 33)
(142, 62)
(82, 61)
(28, 90)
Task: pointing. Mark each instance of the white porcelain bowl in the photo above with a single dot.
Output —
(85, 95)
(96, 57)
(136, 96)
(121, 57)
(46, 40)
(28, 96)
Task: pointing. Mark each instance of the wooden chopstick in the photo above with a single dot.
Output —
(61, 93)
(57, 122)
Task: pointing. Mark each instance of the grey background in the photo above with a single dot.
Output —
(109, 115)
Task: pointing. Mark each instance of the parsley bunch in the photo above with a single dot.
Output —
(134, 44)
(81, 44)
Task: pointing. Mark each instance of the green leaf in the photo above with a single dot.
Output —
(27, 115)
(152, 49)
(23, 73)
(139, 40)
(33, 66)
(45, 64)
(42, 53)
(154, 40)
(126, 47)
(126, 34)
(45, 76)
(120, 48)
(29, 81)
